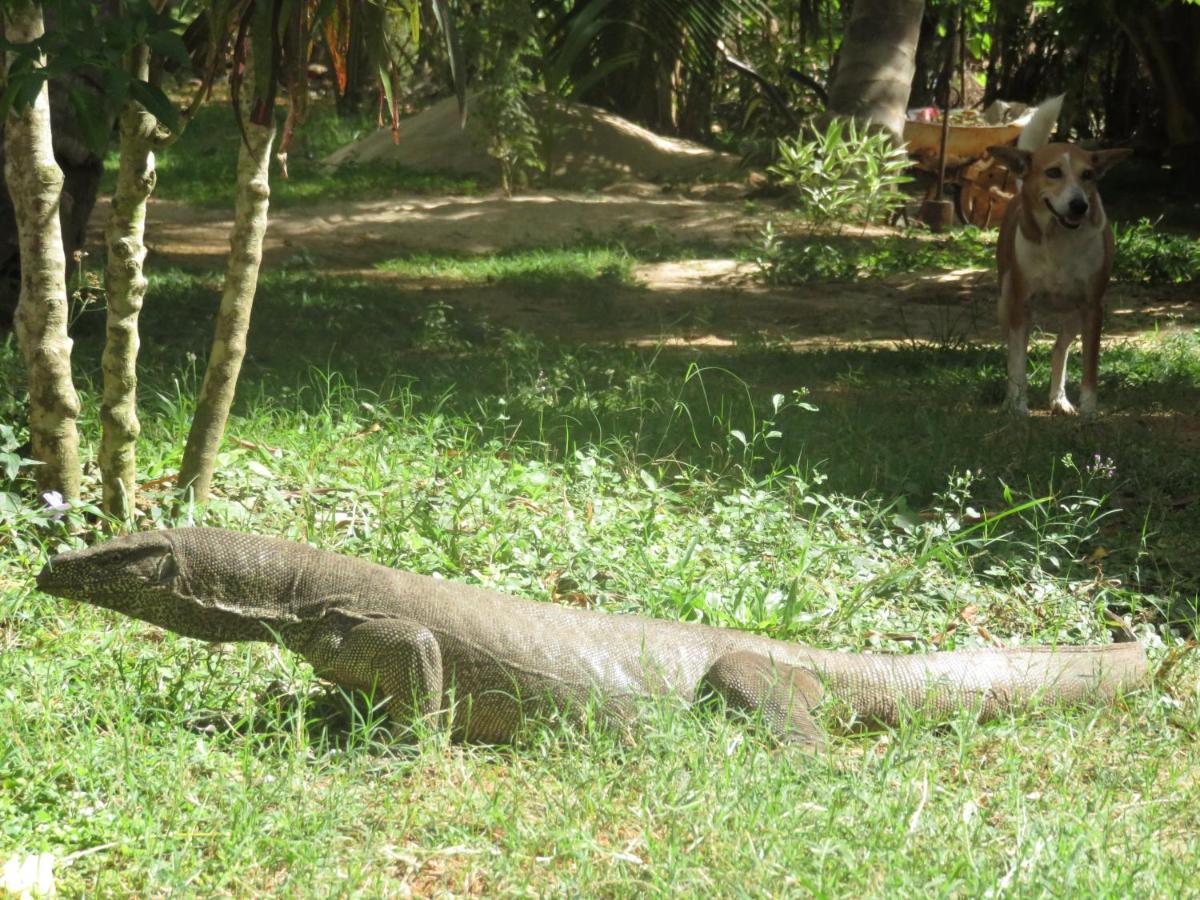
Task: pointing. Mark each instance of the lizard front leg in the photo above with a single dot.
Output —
(782, 694)
(397, 657)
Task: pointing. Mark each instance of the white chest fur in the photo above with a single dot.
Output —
(1061, 269)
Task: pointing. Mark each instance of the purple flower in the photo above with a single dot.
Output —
(56, 504)
(1102, 467)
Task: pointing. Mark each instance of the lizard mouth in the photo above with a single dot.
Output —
(1067, 221)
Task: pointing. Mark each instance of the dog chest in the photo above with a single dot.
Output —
(1060, 270)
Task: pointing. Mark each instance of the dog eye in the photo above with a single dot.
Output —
(1087, 175)
(1054, 172)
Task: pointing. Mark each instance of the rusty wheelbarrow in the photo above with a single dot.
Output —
(983, 185)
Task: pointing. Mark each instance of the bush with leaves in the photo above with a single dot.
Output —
(1152, 257)
(843, 175)
(507, 36)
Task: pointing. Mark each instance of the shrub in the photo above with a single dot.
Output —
(844, 175)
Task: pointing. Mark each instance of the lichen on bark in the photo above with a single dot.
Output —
(237, 299)
(125, 288)
(35, 185)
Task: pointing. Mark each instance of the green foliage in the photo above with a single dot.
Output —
(507, 33)
(198, 168)
(87, 40)
(842, 175)
(785, 259)
(1144, 254)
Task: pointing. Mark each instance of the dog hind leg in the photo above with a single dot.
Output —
(1093, 319)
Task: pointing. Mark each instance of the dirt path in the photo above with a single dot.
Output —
(703, 302)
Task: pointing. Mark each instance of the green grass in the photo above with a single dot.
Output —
(199, 168)
(555, 269)
(857, 498)
(660, 482)
(1143, 254)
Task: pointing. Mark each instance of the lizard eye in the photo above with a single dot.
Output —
(1054, 172)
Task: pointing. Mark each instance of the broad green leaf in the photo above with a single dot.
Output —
(156, 102)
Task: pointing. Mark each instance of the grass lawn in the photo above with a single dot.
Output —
(857, 497)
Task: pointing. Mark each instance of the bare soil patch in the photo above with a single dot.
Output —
(703, 302)
(589, 147)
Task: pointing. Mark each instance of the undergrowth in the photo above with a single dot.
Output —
(198, 169)
(675, 485)
(1143, 254)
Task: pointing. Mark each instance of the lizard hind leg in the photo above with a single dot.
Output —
(398, 658)
(783, 695)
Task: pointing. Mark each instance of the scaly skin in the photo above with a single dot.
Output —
(484, 660)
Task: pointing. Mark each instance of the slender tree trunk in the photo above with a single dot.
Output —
(35, 184)
(1165, 39)
(233, 317)
(875, 67)
(125, 287)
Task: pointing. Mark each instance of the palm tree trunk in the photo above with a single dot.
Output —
(875, 70)
(35, 184)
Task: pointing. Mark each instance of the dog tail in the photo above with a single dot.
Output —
(1042, 124)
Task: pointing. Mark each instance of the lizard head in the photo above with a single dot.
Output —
(143, 575)
(113, 574)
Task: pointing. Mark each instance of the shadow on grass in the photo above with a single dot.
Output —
(891, 421)
(199, 168)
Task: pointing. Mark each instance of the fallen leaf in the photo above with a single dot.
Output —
(988, 636)
(574, 598)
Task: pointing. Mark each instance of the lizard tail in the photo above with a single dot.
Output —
(881, 688)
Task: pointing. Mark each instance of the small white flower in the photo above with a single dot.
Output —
(56, 504)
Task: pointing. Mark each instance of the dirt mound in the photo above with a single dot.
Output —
(593, 148)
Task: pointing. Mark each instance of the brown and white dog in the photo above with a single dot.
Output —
(1055, 255)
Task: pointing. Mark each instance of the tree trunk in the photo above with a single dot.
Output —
(35, 184)
(233, 317)
(125, 287)
(1166, 40)
(878, 57)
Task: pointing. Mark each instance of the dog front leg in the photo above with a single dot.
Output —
(1068, 330)
(1093, 320)
(1015, 323)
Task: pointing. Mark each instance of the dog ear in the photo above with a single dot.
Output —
(1015, 159)
(1103, 160)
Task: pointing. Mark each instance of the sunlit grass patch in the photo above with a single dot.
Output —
(546, 267)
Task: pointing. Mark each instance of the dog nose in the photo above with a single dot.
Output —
(1078, 206)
